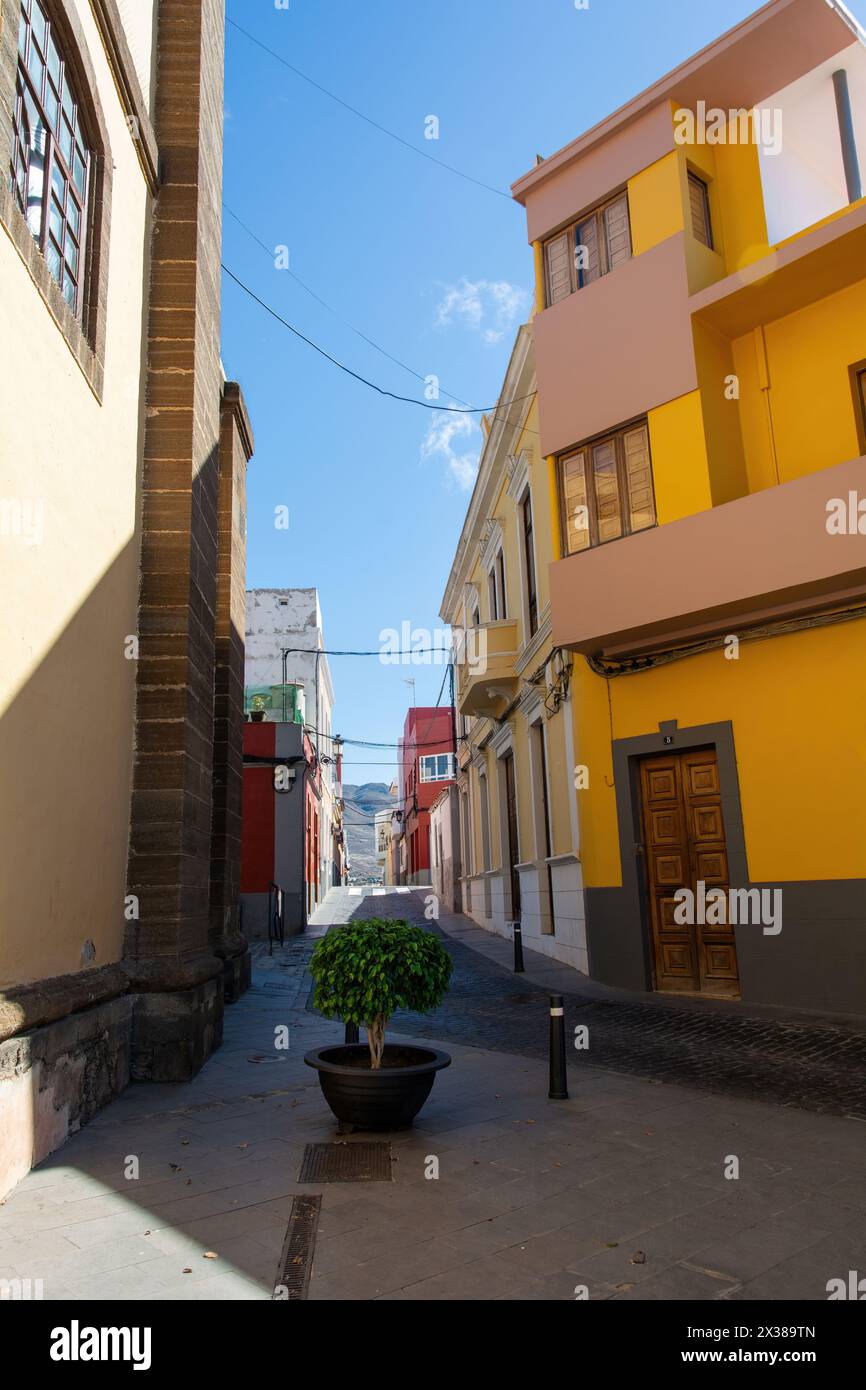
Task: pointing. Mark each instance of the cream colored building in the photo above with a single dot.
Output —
(122, 465)
(520, 848)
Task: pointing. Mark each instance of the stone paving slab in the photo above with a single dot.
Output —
(620, 1189)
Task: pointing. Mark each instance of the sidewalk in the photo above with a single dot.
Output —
(620, 1189)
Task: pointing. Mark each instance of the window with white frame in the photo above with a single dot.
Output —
(496, 588)
(437, 767)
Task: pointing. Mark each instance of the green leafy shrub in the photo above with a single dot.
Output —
(367, 970)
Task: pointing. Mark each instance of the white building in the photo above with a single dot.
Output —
(285, 645)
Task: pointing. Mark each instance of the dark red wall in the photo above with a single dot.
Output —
(257, 830)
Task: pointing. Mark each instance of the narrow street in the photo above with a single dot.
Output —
(186, 1191)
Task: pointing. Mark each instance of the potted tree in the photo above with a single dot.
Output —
(364, 972)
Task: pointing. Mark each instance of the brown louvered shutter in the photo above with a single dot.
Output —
(587, 252)
(617, 232)
(557, 268)
(576, 501)
(699, 202)
(606, 481)
(638, 477)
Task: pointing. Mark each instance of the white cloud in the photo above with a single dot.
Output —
(442, 432)
(489, 307)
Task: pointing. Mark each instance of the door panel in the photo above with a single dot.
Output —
(684, 838)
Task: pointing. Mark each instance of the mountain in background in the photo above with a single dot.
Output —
(362, 803)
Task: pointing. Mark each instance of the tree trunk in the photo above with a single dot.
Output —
(376, 1040)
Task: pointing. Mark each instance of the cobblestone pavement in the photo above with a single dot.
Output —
(813, 1065)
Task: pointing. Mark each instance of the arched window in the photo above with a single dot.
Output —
(51, 160)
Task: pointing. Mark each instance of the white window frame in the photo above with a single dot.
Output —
(426, 757)
(499, 583)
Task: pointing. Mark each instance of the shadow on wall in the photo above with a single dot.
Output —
(66, 749)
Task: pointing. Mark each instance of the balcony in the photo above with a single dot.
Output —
(758, 559)
(486, 679)
(801, 271)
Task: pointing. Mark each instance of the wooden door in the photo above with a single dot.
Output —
(684, 843)
(513, 841)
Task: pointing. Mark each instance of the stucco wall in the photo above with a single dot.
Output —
(139, 19)
(70, 589)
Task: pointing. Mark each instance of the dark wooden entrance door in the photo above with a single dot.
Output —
(513, 840)
(684, 842)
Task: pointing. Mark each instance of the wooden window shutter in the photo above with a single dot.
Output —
(586, 239)
(606, 480)
(557, 268)
(575, 502)
(638, 478)
(617, 236)
(699, 200)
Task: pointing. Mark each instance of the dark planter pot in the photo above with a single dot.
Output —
(389, 1098)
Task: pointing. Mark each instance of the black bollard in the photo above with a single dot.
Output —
(518, 949)
(351, 1033)
(558, 1085)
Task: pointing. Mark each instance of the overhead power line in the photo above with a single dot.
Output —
(368, 743)
(383, 130)
(269, 252)
(381, 390)
(398, 362)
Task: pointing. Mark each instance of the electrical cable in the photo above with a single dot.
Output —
(425, 154)
(785, 627)
(325, 305)
(380, 390)
(371, 341)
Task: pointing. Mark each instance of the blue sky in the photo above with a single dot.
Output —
(433, 268)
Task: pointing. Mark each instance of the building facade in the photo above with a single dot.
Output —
(706, 497)
(281, 837)
(426, 761)
(287, 675)
(517, 813)
(122, 562)
(382, 831)
(445, 863)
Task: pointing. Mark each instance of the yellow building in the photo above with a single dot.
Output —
(123, 454)
(700, 342)
(518, 822)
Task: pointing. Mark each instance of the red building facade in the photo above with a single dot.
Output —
(426, 766)
(280, 840)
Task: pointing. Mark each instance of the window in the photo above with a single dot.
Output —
(500, 575)
(529, 558)
(606, 489)
(437, 767)
(496, 588)
(50, 155)
(858, 383)
(699, 199)
(588, 249)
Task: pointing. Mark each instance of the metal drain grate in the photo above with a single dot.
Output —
(361, 1162)
(296, 1261)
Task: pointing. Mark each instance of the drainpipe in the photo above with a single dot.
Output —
(846, 135)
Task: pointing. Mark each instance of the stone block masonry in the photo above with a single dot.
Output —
(170, 948)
